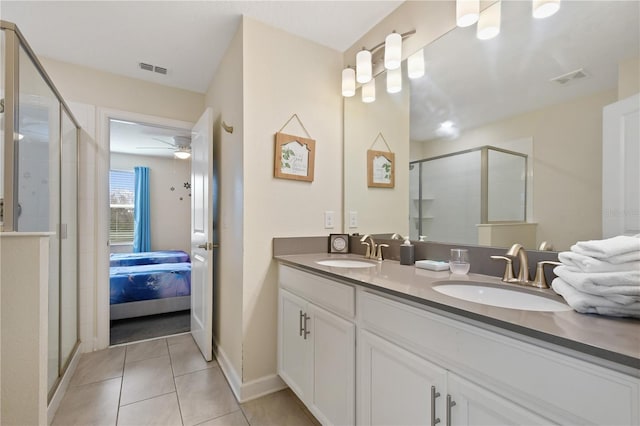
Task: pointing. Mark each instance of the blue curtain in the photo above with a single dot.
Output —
(141, 211)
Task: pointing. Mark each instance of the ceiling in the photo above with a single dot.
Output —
(188, 38)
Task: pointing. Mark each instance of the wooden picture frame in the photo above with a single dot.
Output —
(294, 157)
(381, 169)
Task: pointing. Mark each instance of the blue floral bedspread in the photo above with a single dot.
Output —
(145, 282)
(148, 258)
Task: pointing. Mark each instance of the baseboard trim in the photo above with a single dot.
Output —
(250, 390)
(53, 406)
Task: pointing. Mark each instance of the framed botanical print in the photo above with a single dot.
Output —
(294, 157)
(380, 169)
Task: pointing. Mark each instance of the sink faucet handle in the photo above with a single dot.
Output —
(367, 254)
(508, 275)
(379, 253)
(540, 281)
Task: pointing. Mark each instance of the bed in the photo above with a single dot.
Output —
(149, 283)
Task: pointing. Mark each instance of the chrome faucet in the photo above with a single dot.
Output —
(397, 237)
(371, 247)
(517, 250)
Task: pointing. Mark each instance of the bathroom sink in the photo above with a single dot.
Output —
(487, 294)
(345, 263)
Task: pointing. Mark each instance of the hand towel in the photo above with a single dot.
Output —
(610, 248)
(581, 263)
(591, 304)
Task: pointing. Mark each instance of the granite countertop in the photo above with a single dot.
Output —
(611, 339)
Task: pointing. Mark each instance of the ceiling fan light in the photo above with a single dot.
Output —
(489, 22)
(363, 66)
(467, 12)
(182, 153)
(415, 64)
(393, 51)
(544, 8)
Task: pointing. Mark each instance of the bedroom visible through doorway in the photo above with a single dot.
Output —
(149, 231)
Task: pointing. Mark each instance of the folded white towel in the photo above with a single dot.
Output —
(588, 283)
(591, 304)
(609, 279)
(581, 263)
(610, 248)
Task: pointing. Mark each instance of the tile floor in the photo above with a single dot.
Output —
(166, 382)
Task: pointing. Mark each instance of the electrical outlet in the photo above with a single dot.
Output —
(328, 220)
(353, 219)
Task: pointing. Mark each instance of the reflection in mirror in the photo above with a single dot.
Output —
(537, 89)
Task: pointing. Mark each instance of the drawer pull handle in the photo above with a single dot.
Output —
(434, 395)
(450, 403)
(306, 332)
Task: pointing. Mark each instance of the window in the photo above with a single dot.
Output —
(121, 198)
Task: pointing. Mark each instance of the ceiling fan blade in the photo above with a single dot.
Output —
(165, 142)
(154, 147)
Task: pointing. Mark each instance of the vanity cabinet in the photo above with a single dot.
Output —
(316, 344)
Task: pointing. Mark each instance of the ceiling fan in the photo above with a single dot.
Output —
(181, 146)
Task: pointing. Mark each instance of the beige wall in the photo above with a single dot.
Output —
(567, 168)
(283, 75)
(106, 90)
(170, 215)
(379, 210)
(225, 96)
(628, 78)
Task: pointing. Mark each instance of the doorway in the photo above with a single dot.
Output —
(149, 230)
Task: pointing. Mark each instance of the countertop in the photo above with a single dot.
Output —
(614, 340)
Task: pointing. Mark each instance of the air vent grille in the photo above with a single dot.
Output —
(153, 68)
(570, 77)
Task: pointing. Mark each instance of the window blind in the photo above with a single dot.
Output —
(121, 202)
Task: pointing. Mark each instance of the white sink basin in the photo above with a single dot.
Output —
(502, 297)
(346, 263)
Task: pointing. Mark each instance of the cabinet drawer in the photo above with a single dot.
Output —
(334, 296)
(558, 386)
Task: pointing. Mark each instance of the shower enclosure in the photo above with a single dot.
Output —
(39, 188)
(462, 196)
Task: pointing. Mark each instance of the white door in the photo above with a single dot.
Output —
(295, 346)
(202, 234)
(620, 171)
(334, 352)
(396, 387)
(473, 405)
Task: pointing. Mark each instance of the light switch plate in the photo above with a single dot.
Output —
(353, 219)
(328, 219)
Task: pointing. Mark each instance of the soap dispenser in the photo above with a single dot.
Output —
(407, 253)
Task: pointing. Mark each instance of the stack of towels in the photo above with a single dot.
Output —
(601, 276)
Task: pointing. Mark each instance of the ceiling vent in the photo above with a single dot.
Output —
(569, 77)
(153, 68)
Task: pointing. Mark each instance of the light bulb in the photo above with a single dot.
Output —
(489, 22)
(394, 80)
(544, 8)
(393, 51)
(467, 12)
(369, 91)
(348, 82)
(415, 64)
(363, 66)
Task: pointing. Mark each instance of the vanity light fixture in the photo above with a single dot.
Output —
(394, 80)
(544, 8)
(467, 12)
(415, 64)
(369, 91)
(489, 22)
(363, 66)
(393, 51)
(348, 82)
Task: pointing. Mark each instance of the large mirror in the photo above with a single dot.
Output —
(537, 91)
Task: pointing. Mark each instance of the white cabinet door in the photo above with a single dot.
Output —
(295, 360)
(395, 386)
(477, 406)
(334, 366)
